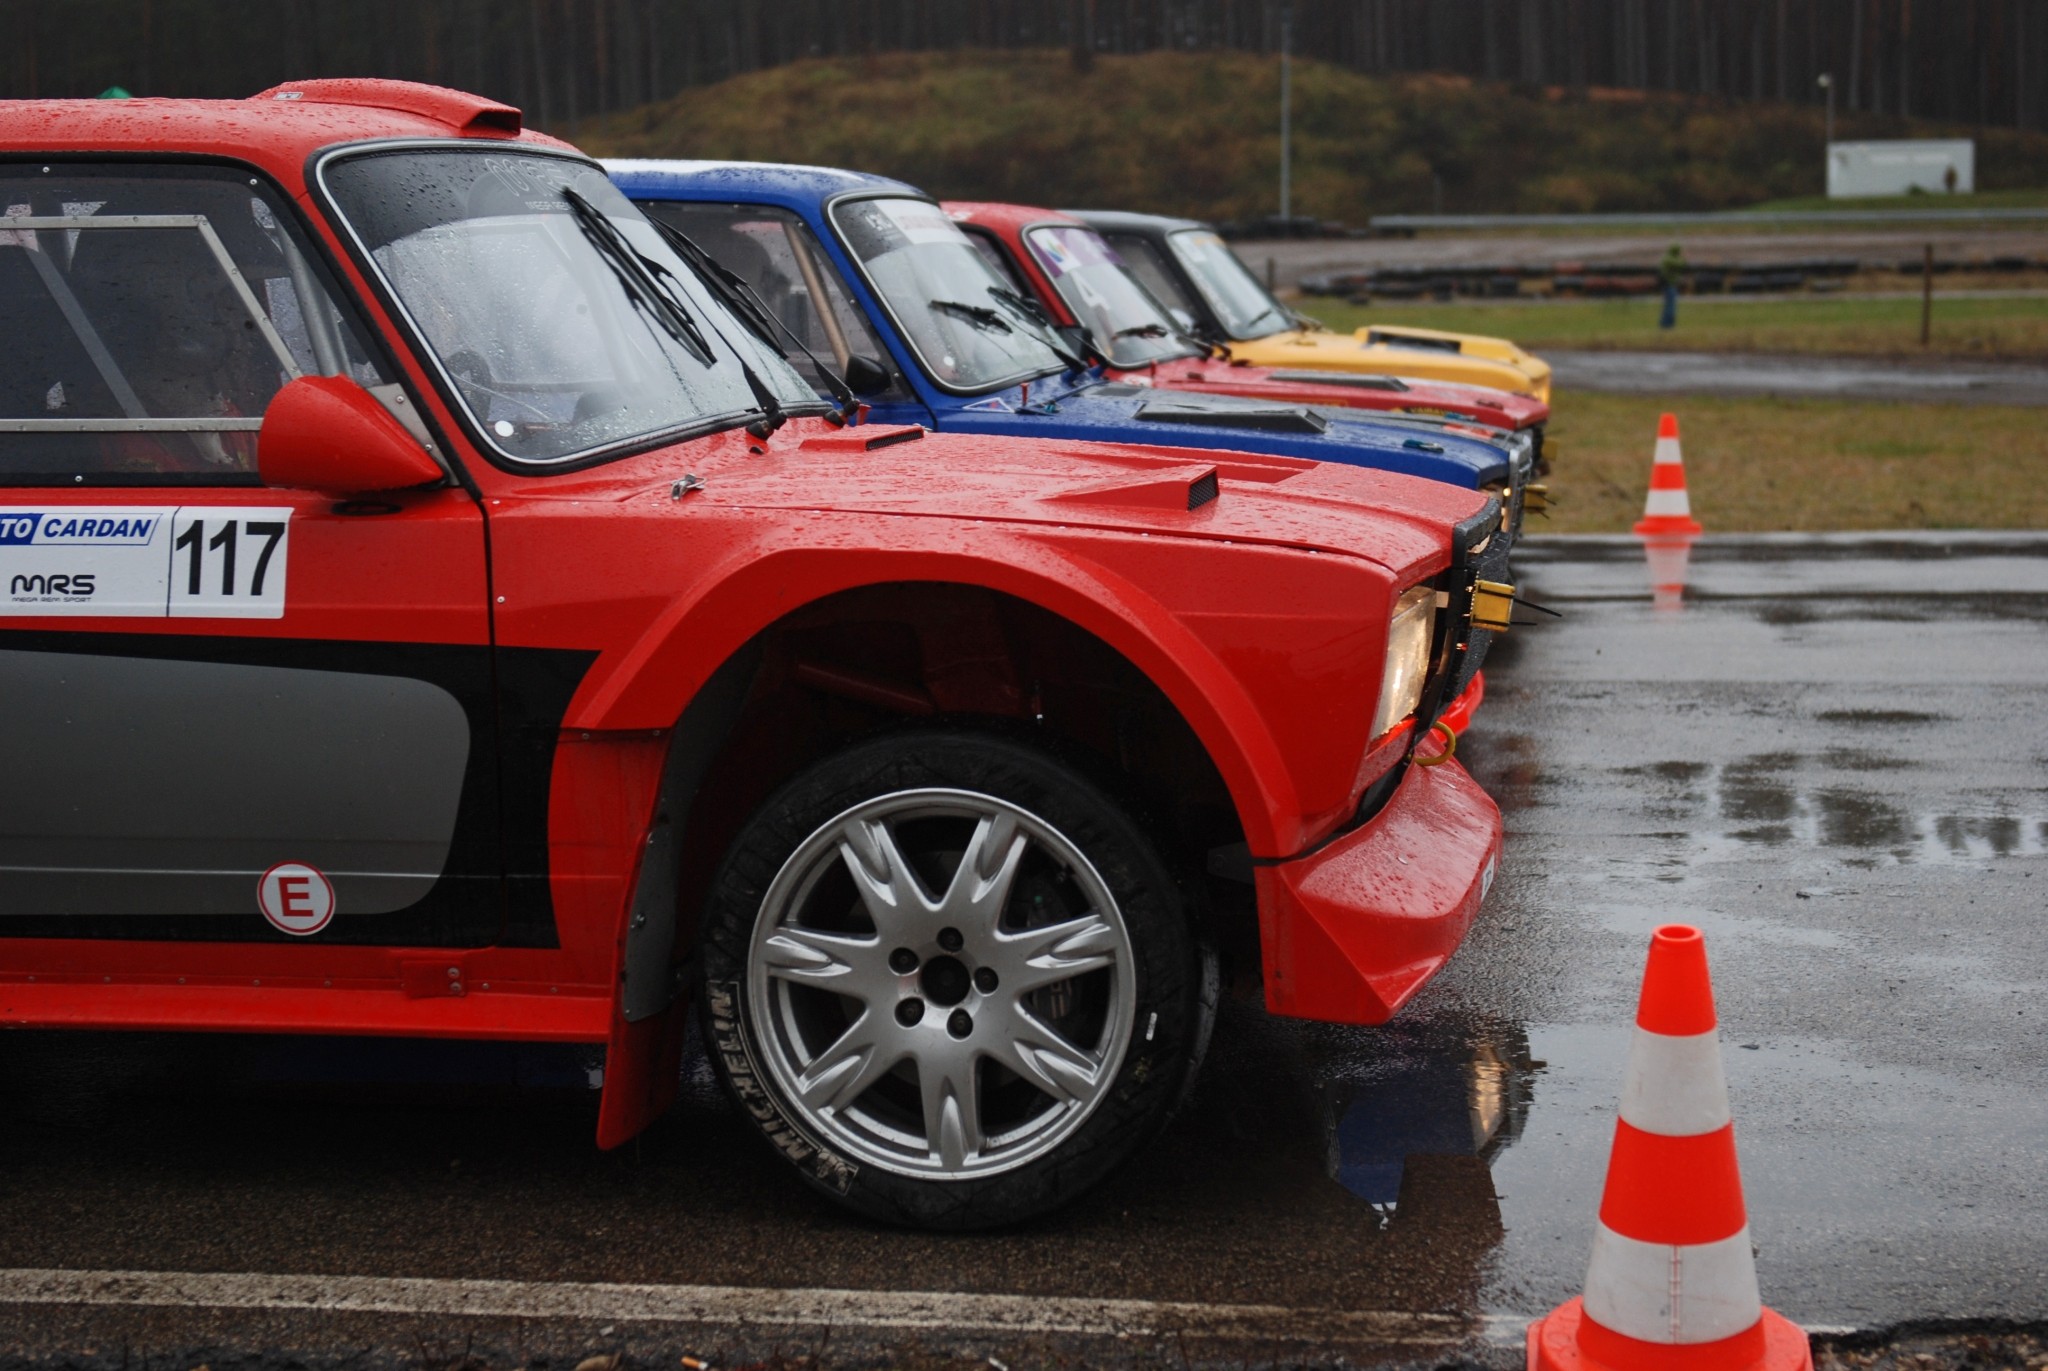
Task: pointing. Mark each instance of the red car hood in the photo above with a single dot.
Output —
(1401, 522)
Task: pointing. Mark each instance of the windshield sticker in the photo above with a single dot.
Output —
(919, 222)
(1065, 250)
(19, 238)
(144, 562)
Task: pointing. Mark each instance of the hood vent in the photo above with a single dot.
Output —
(1421, 342)
(1264, 418)
(1340, 378)
(1175, 488)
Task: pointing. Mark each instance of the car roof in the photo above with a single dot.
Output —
(1126, 221)
(280, 127)
(785, 180)
(1006, 218)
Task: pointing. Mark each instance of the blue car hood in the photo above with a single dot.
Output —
(1119, 412)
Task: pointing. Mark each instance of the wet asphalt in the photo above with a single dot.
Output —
(1879, 246)
(1806, 377)
(1832, 758)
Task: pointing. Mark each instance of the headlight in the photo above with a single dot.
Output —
(1407, 657)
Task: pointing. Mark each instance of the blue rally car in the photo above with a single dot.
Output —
(872, 276)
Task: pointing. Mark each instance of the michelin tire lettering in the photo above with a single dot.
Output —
(729, 1041)
(178, 562)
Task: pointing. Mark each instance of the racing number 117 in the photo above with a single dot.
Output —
(223, 542)
(229, 562)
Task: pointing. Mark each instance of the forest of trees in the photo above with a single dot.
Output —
(1979, 62)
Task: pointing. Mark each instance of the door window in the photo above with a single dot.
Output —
(153, 314)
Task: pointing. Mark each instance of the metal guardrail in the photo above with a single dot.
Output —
(1409, 223)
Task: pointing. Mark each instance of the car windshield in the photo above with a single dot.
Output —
(772, 251)
(963, 321)
(1127, 323)
(566, 324)
(1240, 303)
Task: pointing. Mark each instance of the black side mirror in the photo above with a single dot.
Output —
(866, 376)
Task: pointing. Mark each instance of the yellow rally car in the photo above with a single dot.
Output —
(1192, 270)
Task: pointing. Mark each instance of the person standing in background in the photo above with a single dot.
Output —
(1671, 271)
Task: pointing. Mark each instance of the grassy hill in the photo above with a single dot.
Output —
(1196, 133)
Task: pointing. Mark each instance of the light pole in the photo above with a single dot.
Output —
(1826, 81)
(1286, 111)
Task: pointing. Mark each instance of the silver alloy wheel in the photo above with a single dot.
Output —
(940, 984)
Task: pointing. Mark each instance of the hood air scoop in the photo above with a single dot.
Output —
(1354, 380)
(1265, 418)
(1187, 488)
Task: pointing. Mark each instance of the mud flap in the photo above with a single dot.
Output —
(643, 1065)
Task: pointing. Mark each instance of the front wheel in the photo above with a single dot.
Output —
(949, 979)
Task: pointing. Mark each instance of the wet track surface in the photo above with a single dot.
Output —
(1295, 258)
(1838, 378)
(1832, 759)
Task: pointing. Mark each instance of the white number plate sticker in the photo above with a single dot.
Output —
(190, 561)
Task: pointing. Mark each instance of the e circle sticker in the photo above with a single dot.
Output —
(296, 898)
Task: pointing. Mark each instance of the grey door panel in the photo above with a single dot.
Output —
(140, 786)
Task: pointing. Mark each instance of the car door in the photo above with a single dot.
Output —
(235, 715)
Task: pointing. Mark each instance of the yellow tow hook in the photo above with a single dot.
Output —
(1493, 605)
(1450, 746)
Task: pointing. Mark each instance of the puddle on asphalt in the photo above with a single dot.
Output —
(1432, 1089)
(1767, 801)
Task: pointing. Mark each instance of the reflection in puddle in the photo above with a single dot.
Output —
(1992, 837)
(1752, 794)
(1763, 803)
(1468, 1102)
(1667, 558)
(1850, 818)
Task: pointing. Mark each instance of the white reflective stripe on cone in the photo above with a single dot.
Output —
(1666, 451)
(1667, 502)
(1674, 1084)
(1655, 1292)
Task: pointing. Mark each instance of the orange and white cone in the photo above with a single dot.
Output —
(1667, 510)
(1672, 1282)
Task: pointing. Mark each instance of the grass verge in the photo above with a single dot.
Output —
(2008, 328)
(1770, 465)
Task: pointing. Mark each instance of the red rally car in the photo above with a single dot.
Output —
(1078, 279)
(429, 612)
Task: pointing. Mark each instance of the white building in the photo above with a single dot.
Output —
(1901, 166)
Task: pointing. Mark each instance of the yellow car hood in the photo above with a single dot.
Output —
(1469, 359)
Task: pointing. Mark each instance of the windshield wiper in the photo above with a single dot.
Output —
(640, 277)
(974, 314)
(738, 295)
(1269, 309)
(1033, 314)
(648, 278)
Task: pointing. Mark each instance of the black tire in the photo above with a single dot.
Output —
(766, 1015)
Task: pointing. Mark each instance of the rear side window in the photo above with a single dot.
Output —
(772, 251)
(998, 261)
(1144, 261)
(152, 314)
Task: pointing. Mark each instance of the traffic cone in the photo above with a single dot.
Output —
(1667, 511)
(1672, 1283)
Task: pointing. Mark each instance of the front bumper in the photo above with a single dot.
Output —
(1350, 932)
